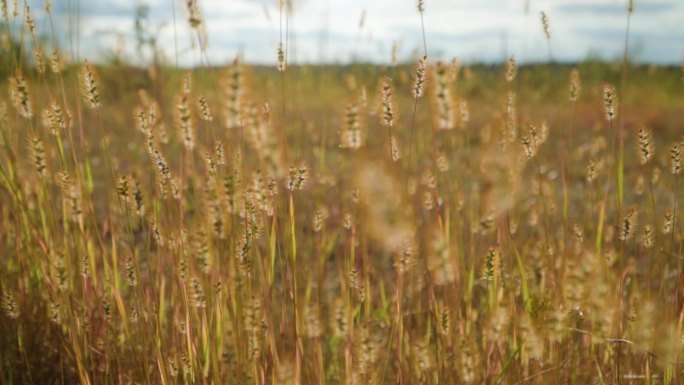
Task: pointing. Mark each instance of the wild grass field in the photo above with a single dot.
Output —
(414, 223)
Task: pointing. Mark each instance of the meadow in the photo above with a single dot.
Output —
(431, 222)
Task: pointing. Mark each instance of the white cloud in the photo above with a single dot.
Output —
(473, 30)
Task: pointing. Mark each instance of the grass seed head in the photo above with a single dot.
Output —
(610, 101)
(39, 60)
(131, 277)
(629, 223)
(646, 145)
(30, 24)
(511, 123)
(55, 62)
(297, 177)
(351, 135)
(648, 236)
(19, 95)
(676, 158)
(511, 69)
(194, 14)
(234, 89)
(545, 24)
(5, 11)
(184, 121)
(38, 156)
(419, 83)
(205, 112)
(591, 171)
(575, 85)
(443, 98)
(668, 222)
(9, 305)
(394, 146)
(282, 60)
(455, 70)
(89, 86)
(388, 117)
(465, 112)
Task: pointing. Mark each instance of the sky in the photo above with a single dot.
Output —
(331, 30)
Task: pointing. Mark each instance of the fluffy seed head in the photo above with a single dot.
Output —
(668, 221)
(492, 264)
(5, 12)
(282, 60)
(19, 94)
(71, 196)
(123, 187)
(528, 147)
(394, 146)
(198, 299)
(55, 62)
(545, 24)
(234, 89)
(511, 69)
(55, 314)
(389, 110)
(161, 167)
(676, 158)
(443, 98)
(131, 279)
(442, 162)
(30, 24)
(455, 68)
(194, 14)
(351, 135)
(142, 122)
(575, 85)
(205, 112)
(591, 170)
(187, 83)
(39, 59)
(646, 147)
(89, 86)
(610, 101)
(511, 132)
(318, 220)
(219, 154)
(419, 84)
(628, 225)
(55, 119)
(38, 155)
(9, 305)
(648, 236)
(297, 177)
(184, 120)
(465, 112)
(406, 257)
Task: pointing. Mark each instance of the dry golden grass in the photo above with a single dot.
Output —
(251, 225)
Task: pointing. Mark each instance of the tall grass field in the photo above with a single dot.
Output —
(432, 221)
